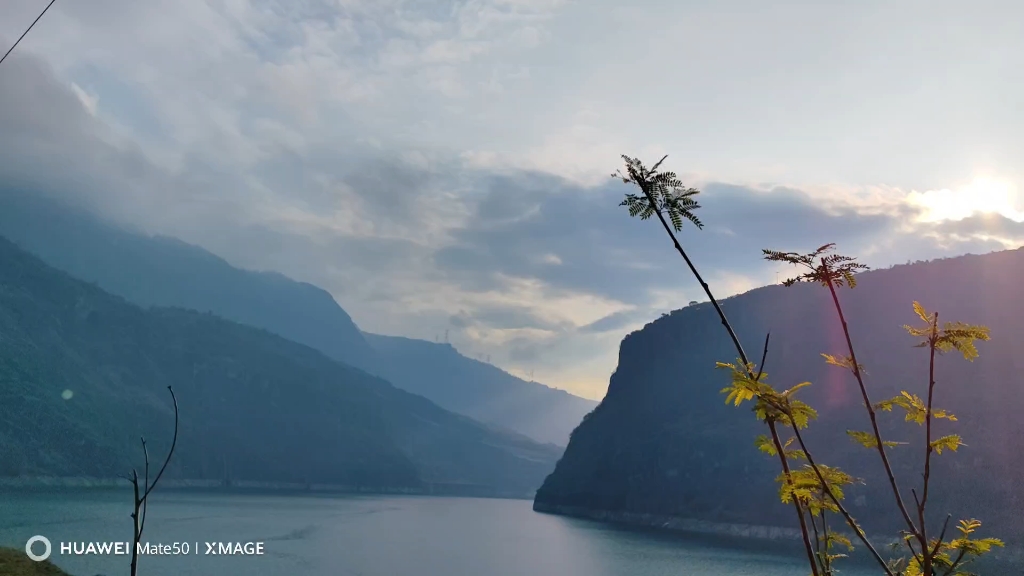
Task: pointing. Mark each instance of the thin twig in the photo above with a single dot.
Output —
(136, 536)
(141, 503)
(817, 541)
(645, 188)
(956, 562)
(796, 502)
(855, 366)
(842, 509)
(142, 524)
(784, 462)
(174, 442)
(942, 534)
(828, 543)
(927, 567)
(910, 546)
(764, 357)
(693, 269)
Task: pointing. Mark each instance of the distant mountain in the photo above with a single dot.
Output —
(161, 271)
(83, 374)
(479, 390)
(663, 442)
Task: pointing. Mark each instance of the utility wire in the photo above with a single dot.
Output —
(26, 30)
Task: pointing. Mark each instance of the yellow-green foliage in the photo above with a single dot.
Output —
(16, 563)
(816, 490)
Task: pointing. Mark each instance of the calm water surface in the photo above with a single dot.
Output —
(371, 536)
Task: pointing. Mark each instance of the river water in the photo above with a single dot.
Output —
(370, 536)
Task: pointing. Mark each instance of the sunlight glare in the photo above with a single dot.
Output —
(981, 196)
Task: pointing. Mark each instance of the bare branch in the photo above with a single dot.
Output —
(942, 534)
(142, 523)
(141, 500)
(764, 357)
(174, 442)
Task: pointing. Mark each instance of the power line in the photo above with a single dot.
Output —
(26, 31)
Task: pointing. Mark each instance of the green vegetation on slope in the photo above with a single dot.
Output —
(156, 271)
(83, 374)
(16, 563)
(161, 271)
(663, 442)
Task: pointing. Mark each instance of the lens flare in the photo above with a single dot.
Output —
(981, 196)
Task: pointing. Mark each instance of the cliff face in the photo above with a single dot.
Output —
(663, 442)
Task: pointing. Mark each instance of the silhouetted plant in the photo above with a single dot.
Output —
(141, 493)
(665, 196)
(816, 490)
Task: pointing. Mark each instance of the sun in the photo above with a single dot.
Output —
(983, 195)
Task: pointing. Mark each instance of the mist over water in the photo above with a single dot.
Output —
(371, 536)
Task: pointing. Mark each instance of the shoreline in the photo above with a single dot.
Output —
(1011, 556)
(47, 483)
(673, 523)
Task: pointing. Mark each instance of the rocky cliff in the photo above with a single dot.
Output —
(663, 443)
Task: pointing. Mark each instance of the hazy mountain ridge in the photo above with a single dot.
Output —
(663, 441)
(254, 406)
(162, 271)
(478, 389)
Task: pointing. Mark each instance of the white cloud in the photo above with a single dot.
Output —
(352, 143)
(980, 196)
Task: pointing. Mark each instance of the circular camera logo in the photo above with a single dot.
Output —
(38, 540)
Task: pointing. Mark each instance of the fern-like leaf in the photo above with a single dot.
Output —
(661, 193)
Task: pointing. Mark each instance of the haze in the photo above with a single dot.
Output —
(444, 166)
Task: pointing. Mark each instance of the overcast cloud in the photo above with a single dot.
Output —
(444, 165)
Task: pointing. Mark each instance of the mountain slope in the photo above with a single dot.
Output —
(663, 441)
(160, 271)
(479, 390)
(254, 406)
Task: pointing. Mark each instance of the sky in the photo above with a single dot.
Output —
(443, 165)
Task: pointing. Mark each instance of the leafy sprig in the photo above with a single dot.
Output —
(663, 193)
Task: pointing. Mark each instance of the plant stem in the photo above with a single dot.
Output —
(942, 534)
(842, 509)
(696, 274)
(956, 562)
(136, 535)
(796, 502)
(170, 452)
(141, 504)
(817, 542)
(743, 357)
(867, 403)
(927, 565)
(828, 542)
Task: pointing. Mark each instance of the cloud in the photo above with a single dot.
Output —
(615, 321)
(442, 165)
(982, 225)
(519, 220)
